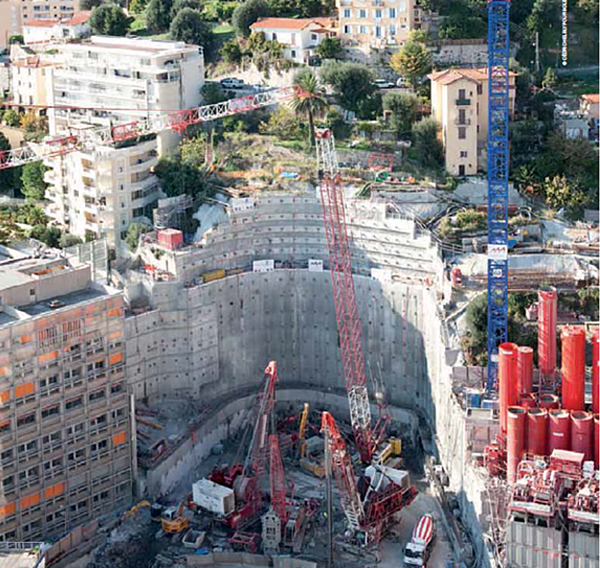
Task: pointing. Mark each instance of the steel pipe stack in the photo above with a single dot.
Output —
(517, 424)
(549, 401)
(582, 433)
(559, 430)
(524, 370)
(596, 372)
(547, 316)
(573, 368)
(528, 400)
(537, 431)
(507, 380)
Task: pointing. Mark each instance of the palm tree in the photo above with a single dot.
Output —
(311, 102)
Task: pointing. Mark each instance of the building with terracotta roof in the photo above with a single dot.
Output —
(74, 27)
(590, 105)
(459, 102)
(28, 82)
(366, 25)
(300, 37)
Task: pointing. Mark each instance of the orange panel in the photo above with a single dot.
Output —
(55, 490)
(4, 423)
(26, 338)
(115, 335)
(7, 510)
(24, 389)
(30, 500)
(116, 358)
(47, 357)
(114, 313)
(119, 438)
(4, 396)
(3, 371)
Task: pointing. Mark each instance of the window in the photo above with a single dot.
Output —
(462, 132)
(6, 456)
(26, 420)
(402, 6)
(76, 456)
(392, 12)
(462, 94)
(392, 30)
(378, 13)
(8, 483)
(362, 13)
(480, 89)
(463, 154)
(313, 37)
(74, 403)
(377, 31)
(97, 395)
(51, 441)
(116, 388)
(347, 13)
(53, 467)
(363, 29)
(76, 430)
(50, 411)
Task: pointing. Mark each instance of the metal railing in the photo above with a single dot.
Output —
(463, 102)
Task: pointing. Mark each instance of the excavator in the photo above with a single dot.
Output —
(173, 520)
(128, 514)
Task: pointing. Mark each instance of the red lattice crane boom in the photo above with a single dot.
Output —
(344, 295)
(277, 481)
(177, 121)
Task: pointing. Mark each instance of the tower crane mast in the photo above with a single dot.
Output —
(498, 117)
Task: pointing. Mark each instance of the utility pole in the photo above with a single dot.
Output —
(329, 496)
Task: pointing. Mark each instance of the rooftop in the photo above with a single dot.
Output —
(20, 558)
(290, 23)
(33, 63)
(475, 74)
(142, 46)
(66, 300)
(78, 18)
(593, 98)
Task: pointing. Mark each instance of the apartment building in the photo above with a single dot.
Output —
(67, 452)
(365, 25)
(98, 192)
(41, 31)
(10, 20)
(48, 9)
(299, 36)
(459, 102)
(28, 82)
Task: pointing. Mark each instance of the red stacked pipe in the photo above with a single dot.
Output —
(559, 430)
(596, 372)
(573, 368)
(524, 370)
(507, 379)
(528, 400)
(537, 431)
(582, 433)
(549, 401)
(516, 427)
(547, 310)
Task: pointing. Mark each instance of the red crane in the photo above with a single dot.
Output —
(346, 310)
(371, 513)
(277, 479)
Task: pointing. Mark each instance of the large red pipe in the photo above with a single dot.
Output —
(528, 400)
(549, 401)
(524, 370)
(596, 372)
(507, 379)
(573, 367)
(597, 441)
(559, 430)
(547, 310)
(516, 421)
(537, 431)
(582, 433)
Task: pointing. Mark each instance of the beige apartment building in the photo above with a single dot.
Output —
(67, 452)
(28, 82)
(376, 24)
(459, 102)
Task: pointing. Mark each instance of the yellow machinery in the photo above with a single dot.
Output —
(302, 430)
(135, 509)
(173, 520)
(393, 447)
(317, 469)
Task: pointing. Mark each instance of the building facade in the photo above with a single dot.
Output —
(48, 9)
(67, 451)
(99, 191)
(375, 24)
(40, 31)
(299, 37)
(28, 81)
(459, 102)
(10, 21)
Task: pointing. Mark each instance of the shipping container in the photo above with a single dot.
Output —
(213, 497)
(263, 265)
(213, 275)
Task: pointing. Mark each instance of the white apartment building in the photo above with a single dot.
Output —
(98, 192)
(40, 31)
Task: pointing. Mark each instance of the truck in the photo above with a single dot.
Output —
(213, 497)
(418, 550)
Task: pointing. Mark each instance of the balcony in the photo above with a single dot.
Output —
(463, 102)
(462, 121)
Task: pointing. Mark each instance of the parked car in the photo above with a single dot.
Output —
(402, 82)
(383, 84)
(232, 83)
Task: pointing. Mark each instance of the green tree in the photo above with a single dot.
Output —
(90, 4)
(550, 80)
(16, 38)
(158, 15)
(11, 117)
(189, 27)
(413, 61)
(543, 14)
(282, 123)
(138, 6)
(589, 9)
(351, 82)
(426, 143)
(212, 93)
(31, 214)
(110, 19)
(311, 102)
(179, 5)
(419, 36)
(248, 13)
(7, 175)
(32, 177)
(134, 232)
(46, 234)
(330, 48)
(67, 240)
(296, 8)
(560, 191)
(178, 177)
(476, 319)
(231, 52)
(527, 179)
(404, 112)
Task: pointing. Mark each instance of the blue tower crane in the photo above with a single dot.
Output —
(497, 156)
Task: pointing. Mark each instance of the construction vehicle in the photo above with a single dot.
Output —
(369, 513)
(156, 512)
(135, 509)
(317, 469)
(392, 448)
(418, 550)
(173, 521)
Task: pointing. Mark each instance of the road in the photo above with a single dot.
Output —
(442, 551)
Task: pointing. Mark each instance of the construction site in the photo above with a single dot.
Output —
(290, 385)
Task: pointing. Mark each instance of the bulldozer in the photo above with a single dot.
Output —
(173, 520)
